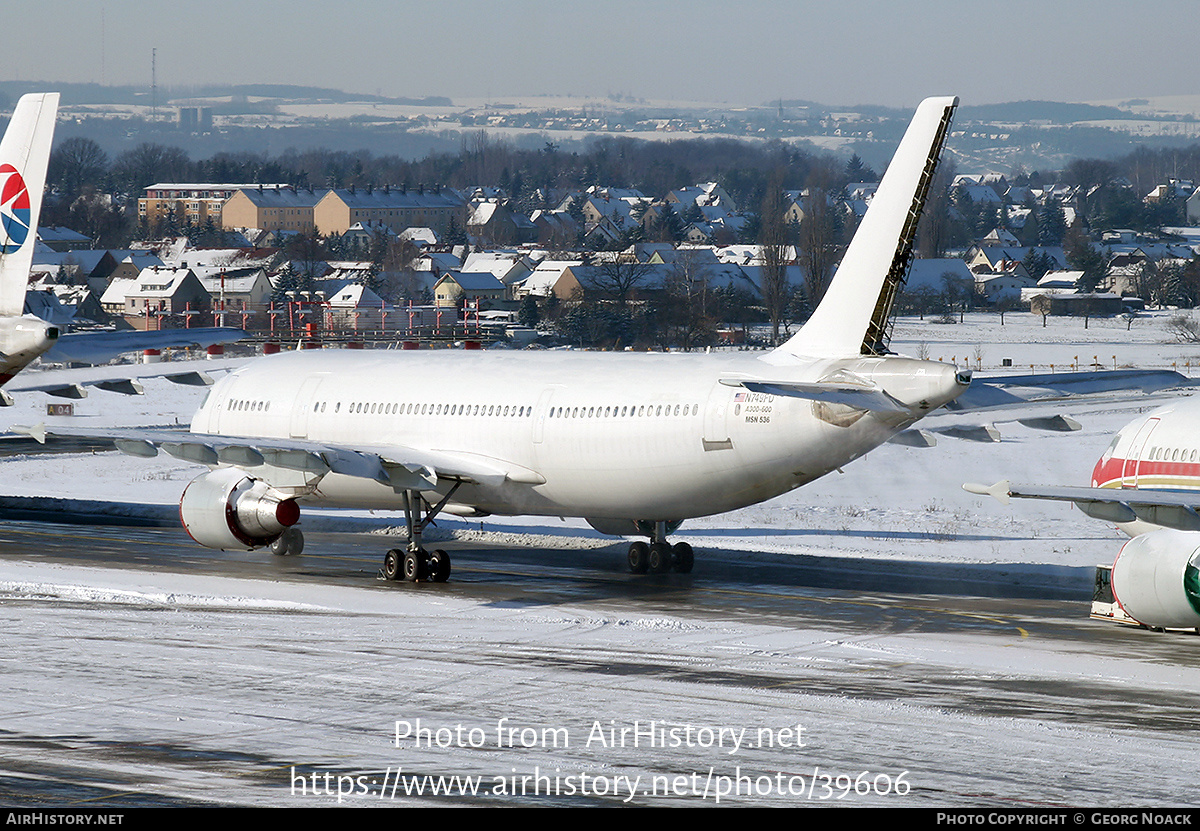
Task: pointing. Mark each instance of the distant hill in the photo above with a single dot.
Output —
(1056, 112)
(73, 94)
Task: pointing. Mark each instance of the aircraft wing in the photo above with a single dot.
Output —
(102, 347)
(992, 392)
(400, 467)
(1038, 401)
(72, 383)
(1172, 509)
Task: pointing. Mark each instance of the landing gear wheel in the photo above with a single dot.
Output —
(414, 566)
(393, 565)
(684, 558)
(639, 557)
(660, 558)
(439, 566)
(290, 542)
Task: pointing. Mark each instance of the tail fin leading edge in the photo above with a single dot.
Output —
(24, 157)
(852, 317)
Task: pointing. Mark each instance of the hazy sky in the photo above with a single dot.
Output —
(836, 52)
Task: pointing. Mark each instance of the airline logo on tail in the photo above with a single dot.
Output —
(14, 210)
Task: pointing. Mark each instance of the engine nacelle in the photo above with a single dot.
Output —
(228, 509)
(1156, 579)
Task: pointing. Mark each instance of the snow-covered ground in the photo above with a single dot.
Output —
(221, 689)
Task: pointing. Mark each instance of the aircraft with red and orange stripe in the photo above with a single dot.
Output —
(1147, 482)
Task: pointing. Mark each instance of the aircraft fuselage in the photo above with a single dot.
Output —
(624, 436)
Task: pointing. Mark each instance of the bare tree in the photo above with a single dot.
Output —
(686, 303)
(76, 164)
(617, 280)
(819, 248)
(934, 230)
(773, 237)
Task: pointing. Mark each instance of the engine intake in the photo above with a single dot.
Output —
(1156, 579)
(230, 510)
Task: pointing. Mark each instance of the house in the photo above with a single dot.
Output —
(938, 275)
(1002, 286)
(354, 307)
(509, 267)
(398, 208)
(990, 257)
(238, 288)
(160, 292)
(271, 208)
(62, 239)
(492, 223)
(362, 236)
(1000, 237)
(458, 287)
(555, 229)
(550, 277)
(1193, 208)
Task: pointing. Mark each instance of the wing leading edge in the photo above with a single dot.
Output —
(1170, 509)
(401, 468)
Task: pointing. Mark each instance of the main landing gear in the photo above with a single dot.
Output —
(414, 564)
(659, 556)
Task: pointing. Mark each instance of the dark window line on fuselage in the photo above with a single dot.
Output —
(500, 410)
(241, 405)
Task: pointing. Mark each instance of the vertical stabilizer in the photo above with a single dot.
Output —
(24, 156)
(853, 315)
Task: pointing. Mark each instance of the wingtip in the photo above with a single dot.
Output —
(37, 432)
(1001, 491)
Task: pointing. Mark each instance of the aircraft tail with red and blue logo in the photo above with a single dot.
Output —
(24, 157)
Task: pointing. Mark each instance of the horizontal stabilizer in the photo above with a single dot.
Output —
(863, 397)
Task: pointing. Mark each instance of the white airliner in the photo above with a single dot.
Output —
(634, 443)
(1147, 482)
(24, 156)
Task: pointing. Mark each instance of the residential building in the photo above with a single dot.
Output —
(194, 202)
(397, 208)
(272, 208)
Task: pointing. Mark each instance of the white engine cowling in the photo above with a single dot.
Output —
(228, 509)
(1156, 579)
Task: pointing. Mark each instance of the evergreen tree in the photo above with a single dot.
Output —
(1051, 223)
(528, 313)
